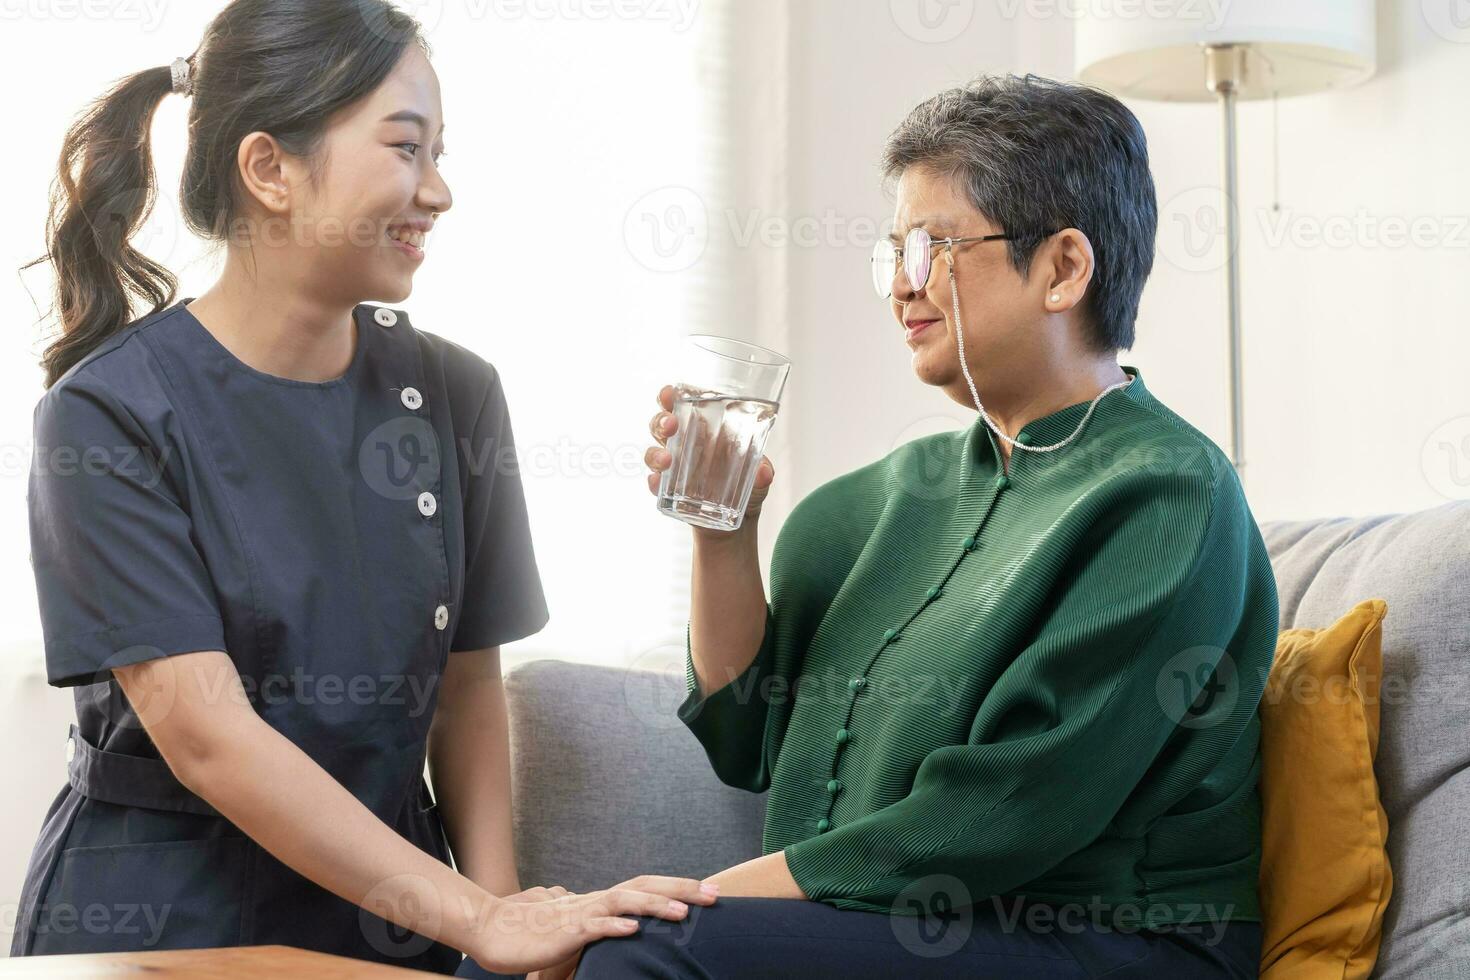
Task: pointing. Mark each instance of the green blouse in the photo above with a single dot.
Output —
(1040, 684)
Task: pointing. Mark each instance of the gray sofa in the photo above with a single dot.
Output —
(610, 784)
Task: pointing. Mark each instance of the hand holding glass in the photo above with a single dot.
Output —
(715, 430)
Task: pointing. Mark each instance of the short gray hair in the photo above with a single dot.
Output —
(1035, 155)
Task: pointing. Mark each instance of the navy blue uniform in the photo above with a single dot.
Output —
(340, 540)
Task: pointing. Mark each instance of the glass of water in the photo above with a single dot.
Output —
(725, 404)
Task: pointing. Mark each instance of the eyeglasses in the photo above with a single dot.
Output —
(917, 256)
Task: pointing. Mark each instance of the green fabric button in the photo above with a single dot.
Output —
(857, 682)
(822, 825)
(969, 543)
(833, 786)
(933, 592)
(1002, 481)
(842, 736)
(1024, 438)
(889, 634)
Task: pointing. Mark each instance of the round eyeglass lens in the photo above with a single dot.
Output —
(885, 264)
(916, 258)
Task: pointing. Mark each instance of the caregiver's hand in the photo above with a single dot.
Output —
(565, 969)
(682, 889)
(673, 888)
(538, 894)
(527, 933)
(662, 426)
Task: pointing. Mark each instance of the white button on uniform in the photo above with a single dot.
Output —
(385, 316)
(441, 617)
(427, 504)
(412, 399)
(71, 743)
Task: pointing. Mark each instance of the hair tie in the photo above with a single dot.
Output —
(183, 83)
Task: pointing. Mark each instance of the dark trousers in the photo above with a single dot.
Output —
(739, 938)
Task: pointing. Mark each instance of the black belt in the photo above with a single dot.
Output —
(128, 780)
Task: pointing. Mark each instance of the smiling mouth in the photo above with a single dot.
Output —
(406, 247)
(917, 329)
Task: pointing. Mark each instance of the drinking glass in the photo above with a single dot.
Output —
(725, 405)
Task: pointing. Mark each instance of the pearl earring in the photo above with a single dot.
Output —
(1054, 297)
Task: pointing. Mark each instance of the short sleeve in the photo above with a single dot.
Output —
(503, 598)
(119, 578)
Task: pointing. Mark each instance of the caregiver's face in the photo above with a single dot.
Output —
(383, 184)
(996, 304)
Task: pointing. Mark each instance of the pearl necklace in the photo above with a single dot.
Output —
(959, 330)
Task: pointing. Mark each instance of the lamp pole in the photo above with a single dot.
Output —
(1224, 74)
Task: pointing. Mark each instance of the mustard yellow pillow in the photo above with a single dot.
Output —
(1325, 878)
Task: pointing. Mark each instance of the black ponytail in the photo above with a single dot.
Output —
(104, 192)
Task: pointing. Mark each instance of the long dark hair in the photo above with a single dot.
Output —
(277, 66)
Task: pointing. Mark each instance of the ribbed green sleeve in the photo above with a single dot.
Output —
(731, 722)
(1075, 720)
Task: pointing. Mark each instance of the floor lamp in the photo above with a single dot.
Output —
(1194, 51)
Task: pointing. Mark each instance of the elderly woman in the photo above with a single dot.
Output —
(1004, 694)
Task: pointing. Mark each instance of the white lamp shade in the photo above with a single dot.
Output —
(1294, 46)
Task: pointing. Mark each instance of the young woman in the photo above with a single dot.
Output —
(278, 536)
(1007, 678)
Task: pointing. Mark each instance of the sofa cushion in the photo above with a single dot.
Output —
(1419, 564)
(1325, 877)
(609, 784)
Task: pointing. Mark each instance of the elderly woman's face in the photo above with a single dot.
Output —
(996, 303)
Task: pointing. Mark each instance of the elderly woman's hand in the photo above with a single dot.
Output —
(664, 425)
